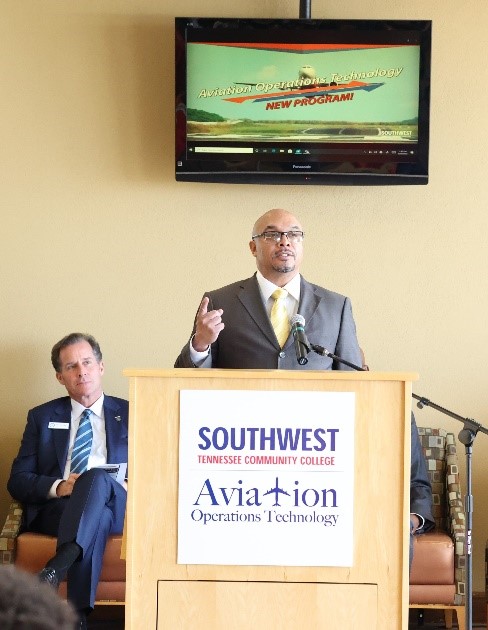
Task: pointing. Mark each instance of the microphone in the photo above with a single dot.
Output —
(302, 345)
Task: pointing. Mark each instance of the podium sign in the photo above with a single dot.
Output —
(266, 478)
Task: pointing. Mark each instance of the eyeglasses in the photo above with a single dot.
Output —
(294, 236)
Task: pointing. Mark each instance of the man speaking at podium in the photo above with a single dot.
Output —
(246, 325)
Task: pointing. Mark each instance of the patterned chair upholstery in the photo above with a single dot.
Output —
(30, 551)
(438, 575)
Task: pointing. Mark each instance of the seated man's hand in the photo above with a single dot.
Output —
(65, 488)
(414, 523)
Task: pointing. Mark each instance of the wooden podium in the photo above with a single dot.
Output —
(372, 594)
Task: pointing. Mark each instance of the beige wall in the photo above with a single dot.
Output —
(96, 235)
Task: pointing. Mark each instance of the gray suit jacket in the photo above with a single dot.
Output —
(248, 340)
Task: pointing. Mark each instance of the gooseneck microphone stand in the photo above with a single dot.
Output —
(327, 353)
(466, 436)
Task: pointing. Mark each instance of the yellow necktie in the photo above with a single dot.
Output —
(279, 316)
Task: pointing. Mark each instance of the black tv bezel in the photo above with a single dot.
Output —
(275, 172)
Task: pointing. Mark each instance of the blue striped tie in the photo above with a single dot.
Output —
(83, 444)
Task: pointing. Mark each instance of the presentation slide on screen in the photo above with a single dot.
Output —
(306, 92)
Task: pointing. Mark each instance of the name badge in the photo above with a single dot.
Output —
(58, 425)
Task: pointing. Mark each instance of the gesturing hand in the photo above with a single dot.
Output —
(208, 326)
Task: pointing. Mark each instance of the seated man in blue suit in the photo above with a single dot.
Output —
(56, 475)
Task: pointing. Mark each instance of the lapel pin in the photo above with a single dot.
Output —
(118, 418)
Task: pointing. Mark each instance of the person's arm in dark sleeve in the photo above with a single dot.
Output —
(420, 488)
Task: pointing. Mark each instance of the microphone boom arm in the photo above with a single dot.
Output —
(469, 423)
(327, 353)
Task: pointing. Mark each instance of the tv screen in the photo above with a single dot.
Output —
(302, 101)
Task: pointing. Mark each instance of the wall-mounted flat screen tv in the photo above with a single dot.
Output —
(302, 101)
